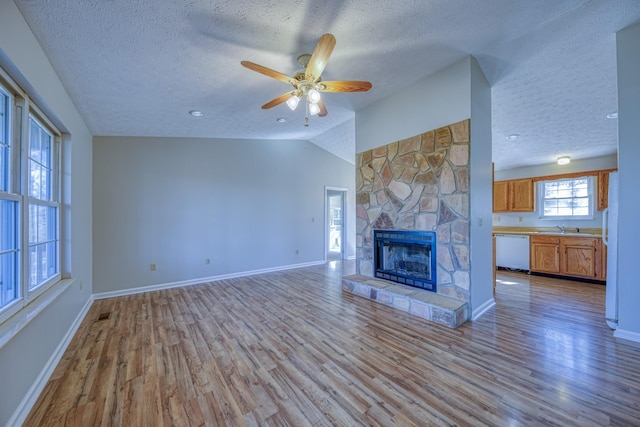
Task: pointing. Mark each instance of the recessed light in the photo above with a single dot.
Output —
(513, 137)
(613, 115)
(564, 160)
(196, 113)
(281, 120)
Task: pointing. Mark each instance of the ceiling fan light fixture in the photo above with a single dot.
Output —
(314, 96)
(307, 82)
(564, 160)
(293, 102)
(313, 108)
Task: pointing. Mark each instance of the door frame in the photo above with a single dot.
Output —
(343, 229)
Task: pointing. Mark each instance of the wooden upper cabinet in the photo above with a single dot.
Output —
(516, 195)
(521, 195)
(603, 190)
(501, 196)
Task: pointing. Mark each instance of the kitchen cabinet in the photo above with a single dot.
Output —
(572, 256)
(545, 254)
(580, 256)
(603, 190)
(516, 195)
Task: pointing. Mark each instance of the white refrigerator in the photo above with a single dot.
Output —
(610, 239)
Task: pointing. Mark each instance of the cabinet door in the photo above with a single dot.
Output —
(580, 257)
(602, 271)
(603, 190)
(545, 254)
(501, 196)
(521, 195)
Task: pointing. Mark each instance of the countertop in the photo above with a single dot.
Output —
(570, 231)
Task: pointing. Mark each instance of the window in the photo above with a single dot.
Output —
(29, 200)
(569, 198)
(9, 211)
(43, 206)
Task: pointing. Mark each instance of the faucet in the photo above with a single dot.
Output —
(560, 228)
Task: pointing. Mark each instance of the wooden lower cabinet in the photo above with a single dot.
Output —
(568, 256)
(545, 254)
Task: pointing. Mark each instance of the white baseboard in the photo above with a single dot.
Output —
(141, 289)
(22, 411)
(626, 335)
(482, 309)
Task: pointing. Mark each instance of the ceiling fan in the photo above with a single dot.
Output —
(307, 83)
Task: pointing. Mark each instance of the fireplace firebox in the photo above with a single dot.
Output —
(407, 257)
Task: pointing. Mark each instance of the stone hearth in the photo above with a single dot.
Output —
(446, 311)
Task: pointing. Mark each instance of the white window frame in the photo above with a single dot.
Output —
(20, 109)
(42, 121)
(590, 196)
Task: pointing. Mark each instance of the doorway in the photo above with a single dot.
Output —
(335, 222)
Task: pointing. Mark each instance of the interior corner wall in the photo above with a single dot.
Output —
(627, 41)
(480, 191)
(433, 102)
(247, 205)
(27, 354)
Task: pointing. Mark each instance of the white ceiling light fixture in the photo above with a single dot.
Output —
(314, 96)
(613, 115)
(313, 108)
(281, 120)
(196, 113)
(293, 102)
(512, 137)
(564, 160)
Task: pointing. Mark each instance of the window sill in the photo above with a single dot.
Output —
(14, 324)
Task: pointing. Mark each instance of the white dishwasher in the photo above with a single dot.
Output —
(512, 251)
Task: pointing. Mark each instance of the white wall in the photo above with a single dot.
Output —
(628, 41)
(247, 205)
(454, 94)
(480, 191)
(531, 219)
(433, 102)
(26, 355)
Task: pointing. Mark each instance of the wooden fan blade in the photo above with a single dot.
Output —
(320, 57)
(277, 101)
(323, 109)
(267, 71)
(345, 86)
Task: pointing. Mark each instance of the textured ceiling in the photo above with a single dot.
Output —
(136, 67)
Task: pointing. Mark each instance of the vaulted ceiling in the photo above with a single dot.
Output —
(137, 67)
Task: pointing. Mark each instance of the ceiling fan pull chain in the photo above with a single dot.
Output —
(306, 114)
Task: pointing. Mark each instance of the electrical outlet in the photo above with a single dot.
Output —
(207, 261)
(519, 219)
(297, 252)
(154, 267)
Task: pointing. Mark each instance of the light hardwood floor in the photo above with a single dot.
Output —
(291, 349)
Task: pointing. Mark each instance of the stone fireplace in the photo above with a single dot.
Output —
(420, 184)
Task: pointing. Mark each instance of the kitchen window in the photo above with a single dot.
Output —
(29, 200)
(567, 198)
